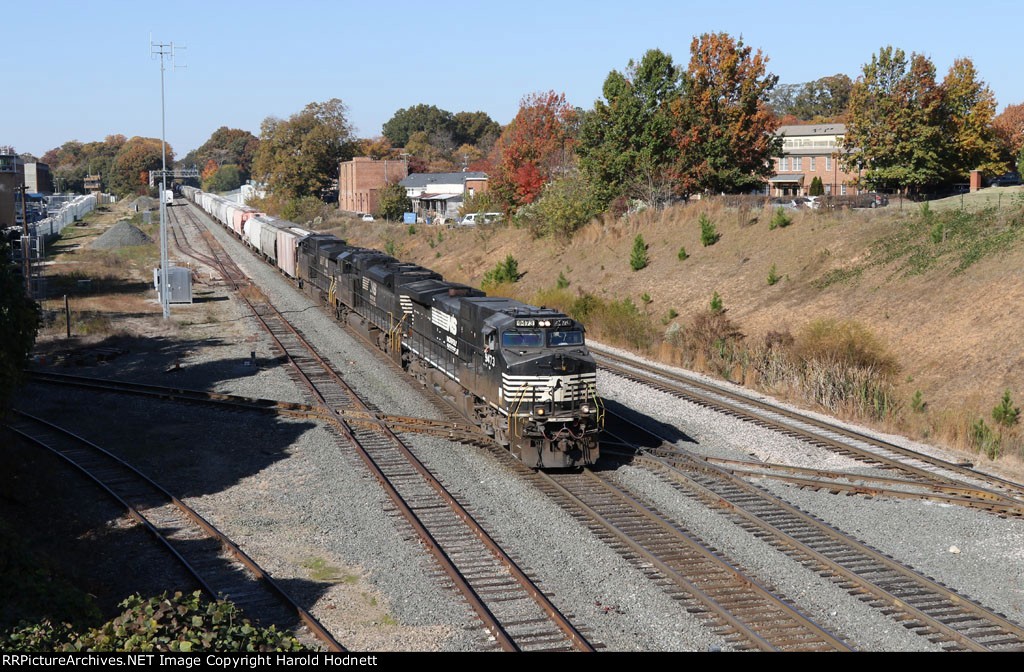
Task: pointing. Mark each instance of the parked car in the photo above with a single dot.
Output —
(1005, 180)
(367, 218)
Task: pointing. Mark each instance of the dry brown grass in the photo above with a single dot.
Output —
(955, 337)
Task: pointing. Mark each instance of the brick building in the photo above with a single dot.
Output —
(360, 180)
(811, 151)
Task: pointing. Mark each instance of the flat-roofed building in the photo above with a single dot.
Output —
(12, 177)
(362, 178)
(810, 151)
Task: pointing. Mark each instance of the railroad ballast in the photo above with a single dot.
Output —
(521, 373)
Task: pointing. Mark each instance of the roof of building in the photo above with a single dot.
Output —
(811, 129)
(793, 177)
(421, 180)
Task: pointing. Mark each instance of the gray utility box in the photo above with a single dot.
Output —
(180, 280)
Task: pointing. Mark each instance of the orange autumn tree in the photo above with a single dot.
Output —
(724, 128)
(530, 148)
(209, 169)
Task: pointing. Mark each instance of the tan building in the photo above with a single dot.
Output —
(37, 178)
(360, 180)
(810, 151)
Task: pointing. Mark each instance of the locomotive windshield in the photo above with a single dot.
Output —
(522, 339)
(559, 338)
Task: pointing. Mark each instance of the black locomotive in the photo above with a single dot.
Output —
(520, 372)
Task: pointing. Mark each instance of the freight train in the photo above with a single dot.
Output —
(521, 373)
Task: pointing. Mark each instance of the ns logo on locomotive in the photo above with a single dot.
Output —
(521, 373)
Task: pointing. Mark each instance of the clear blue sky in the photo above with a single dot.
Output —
(82, 70)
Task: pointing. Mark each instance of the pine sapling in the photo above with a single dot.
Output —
(1006, 413)
(638, 258)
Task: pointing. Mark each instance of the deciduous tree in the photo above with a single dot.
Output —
(135, 159)
(300, 156)
(723, 127)
(530, 146)
(625, 142)
(1009, 128)
(969, 108)
(393, 201)
(895, 130)
(425, 118)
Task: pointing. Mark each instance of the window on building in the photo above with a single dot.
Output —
(828, 189)
(812, 164)
(828, 163)
(797, 162)
(842, 190)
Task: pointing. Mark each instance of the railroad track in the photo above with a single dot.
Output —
(740, 609)
(973, 488)
(219, 567)
(915, 601)
(514, 611)
(461, 432)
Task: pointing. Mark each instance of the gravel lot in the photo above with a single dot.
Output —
(307, 510)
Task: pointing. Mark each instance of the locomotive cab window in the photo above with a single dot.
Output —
(560, 338)
(522, 339)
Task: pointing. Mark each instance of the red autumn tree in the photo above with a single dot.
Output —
(531, 147)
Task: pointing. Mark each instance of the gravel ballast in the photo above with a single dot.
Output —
(309, 512)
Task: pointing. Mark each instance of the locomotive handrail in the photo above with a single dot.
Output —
(598, 402)
(514, 414)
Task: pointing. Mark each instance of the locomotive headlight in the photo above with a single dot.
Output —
(585, 408)
(539, 410)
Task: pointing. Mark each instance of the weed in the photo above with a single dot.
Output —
(773, 276)
(562, 281)
(412, 229)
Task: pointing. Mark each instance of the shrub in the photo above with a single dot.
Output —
(1006, 413)
(412, 230)
(708, 234)
(847, 343)
(817, 187)
(503, 272)
(779, 219)
(562, 282)
(716, 304)
(683, 256)
(773, 276)
(176, 623)
(638, 258)
(566, 204)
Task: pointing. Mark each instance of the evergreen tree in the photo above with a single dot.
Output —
(638, 258)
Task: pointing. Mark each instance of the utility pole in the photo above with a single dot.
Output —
(163, 50)
(26, 243)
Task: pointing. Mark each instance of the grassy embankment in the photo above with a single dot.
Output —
(907, 319)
